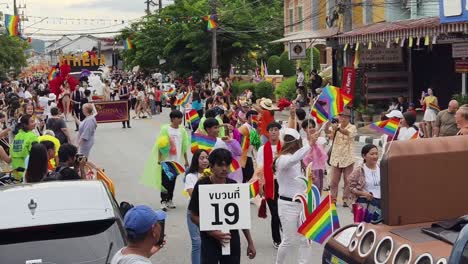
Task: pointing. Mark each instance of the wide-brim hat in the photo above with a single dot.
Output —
(267, 104)
(346, 112)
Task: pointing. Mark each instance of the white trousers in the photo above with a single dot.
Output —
(289, 214)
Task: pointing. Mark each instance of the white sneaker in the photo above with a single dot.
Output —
(170, 205)
(164, 206)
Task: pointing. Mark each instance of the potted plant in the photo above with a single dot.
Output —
(366, 113)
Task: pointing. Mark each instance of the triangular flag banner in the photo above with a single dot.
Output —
(402, 44)
(434, 40)
(345, 47)
(370, 45)
(357, 46)
(418, 41)
(388, 44)
(397, 40)
(427, 41)
(410, 42)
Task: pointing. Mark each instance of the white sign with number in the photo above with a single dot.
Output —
(224, 207)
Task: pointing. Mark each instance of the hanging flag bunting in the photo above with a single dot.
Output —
(211, 19)
(427, 41)
(434, 40)
(357, 46)
(402, 44)
(128, 44)
(410, 42)
(345, 47)
(397, 40)
(262, 69)
(388, 44)
(356, 59)
(418, 41)
(266, 69)
(11, 25)
(370, 45)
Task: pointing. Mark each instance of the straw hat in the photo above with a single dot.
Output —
(267, 104)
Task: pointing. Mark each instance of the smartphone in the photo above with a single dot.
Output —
(160, 242)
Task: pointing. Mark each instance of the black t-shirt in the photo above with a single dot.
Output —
(56, 125)
(210, 244)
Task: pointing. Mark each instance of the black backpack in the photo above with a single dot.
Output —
(54, 175)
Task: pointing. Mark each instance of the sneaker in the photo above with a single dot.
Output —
(164, 206)
(170, 205)
(345, 204)
(276, 245)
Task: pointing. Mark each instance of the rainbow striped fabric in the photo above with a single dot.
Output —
(434, 107)
(388, 127)
(336, 100)
(172, 169)
(184, 100)
(53, 74)
(321, 223)
(171, 92)
(319, 113)
(11, 25)
(415, 135)
(192, 117)
(211, 19)
(234, 165)
(128, 44)
(254, 189)
(200, 141)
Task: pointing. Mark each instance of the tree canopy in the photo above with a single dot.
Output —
(11, 54)
(180, 37)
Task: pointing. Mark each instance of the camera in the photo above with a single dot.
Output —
(80, 158)
(334, 121)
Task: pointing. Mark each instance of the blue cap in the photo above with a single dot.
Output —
(140, 219)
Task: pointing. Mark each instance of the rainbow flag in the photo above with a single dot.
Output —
(336, 100)
(254, 189)
(11, 25)
(128, 44)
(388, 127)
(245, 142)
(53, 73)
(415, 135)
(192, 117)
(172, 169)
(234, 165)
(184, 100)
(254, 121)
(200, 141)
(171, 92)
(319, 113)
(211, 19)
(434, 107)
(321, 223)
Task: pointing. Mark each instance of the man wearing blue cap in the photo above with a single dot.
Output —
(145, 228)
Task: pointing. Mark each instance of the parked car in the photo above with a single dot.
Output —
(59, 222)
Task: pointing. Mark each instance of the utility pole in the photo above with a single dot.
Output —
(160, 6)
(347, 16)
(214, 46)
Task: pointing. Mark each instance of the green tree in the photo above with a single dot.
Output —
(273, 64)
(287, 67)
(12, 55)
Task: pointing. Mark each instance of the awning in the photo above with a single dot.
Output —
(309, 35)
(389, 31)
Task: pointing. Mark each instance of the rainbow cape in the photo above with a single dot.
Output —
(254, 188)
(200, 141)
(128, 44)
(172, 169)
(234, 165)
(319, 113)
(415, 135)
(321, 223)
(434, 107)
(388, 127)
(11, 25)
(192, 117)
(184, 100)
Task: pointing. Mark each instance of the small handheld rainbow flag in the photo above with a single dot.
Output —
(321, 223)
(254, 189)
(319, 113)
(192, 117)
(184, 100)
(171, 92)
(434, 107)
(128, 44)
(11, 25)
(415, 135)
(388, 127)
(336, 100)
(211, 19)
(172, 169)
(53, 74)
(234, 165)
(200, 141)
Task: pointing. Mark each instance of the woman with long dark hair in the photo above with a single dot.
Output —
(22, 144)
(288, 167)
(36, 164)
(198, 164)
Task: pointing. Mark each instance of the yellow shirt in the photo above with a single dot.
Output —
(342, 152)
(53, 140)
(430, 100)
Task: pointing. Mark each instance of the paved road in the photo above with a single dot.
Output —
(122, 153)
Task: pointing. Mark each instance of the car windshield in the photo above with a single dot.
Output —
(73, 243)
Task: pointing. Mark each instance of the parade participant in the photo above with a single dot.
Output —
(265, 157)
(210, 113)
(49, 135)
(430, 115)
(212, 241)
(197, 103)
(36, 164)
(248, 155)
(124, 95)
(158, 96)
(65, 97)
(300, 86)
(51, 153)
(87, 130)
(194, 173)
(341, 154)
(317, 155)
(22, 144)
(176, 138)
(445, 124)
(76, 98)
(407, 129)
(58, 126)
(150, 90)
(144, 229)
(267, 115)
(364, 182)
(287, 166)
(461, 118)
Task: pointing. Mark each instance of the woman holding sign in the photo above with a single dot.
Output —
(197, 166)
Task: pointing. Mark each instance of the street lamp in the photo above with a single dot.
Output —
(277, 71)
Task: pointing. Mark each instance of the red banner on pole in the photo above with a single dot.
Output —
(348, 81)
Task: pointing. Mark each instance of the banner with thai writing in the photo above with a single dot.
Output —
(111, 111)
(348, 81)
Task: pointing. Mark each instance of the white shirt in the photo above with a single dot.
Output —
(218, 89)
(372, 181)
(176, 136)
(120, 258)
(406, 133)
(260, 157)
(288, 167)
(27, 95)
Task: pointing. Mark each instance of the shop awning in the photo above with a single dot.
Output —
(309, 35)
(403, 29)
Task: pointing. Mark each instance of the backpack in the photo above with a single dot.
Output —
(54, 175)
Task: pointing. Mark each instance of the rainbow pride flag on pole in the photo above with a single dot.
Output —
(11, 25)
(211, 19)
(388, 127)
(200, 141)
(128, 44)
(321, 223)
(184, 100)
(234, 165)
(53, 73)
(335, 101)
(319, 113)
(172, 169)
(254, 189)
(193, 118)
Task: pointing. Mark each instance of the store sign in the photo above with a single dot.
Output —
(461, 66)
(297, 51)
(381, 55)
(460, 50)
(453, 11)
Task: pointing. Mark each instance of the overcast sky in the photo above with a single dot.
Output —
(126, 10)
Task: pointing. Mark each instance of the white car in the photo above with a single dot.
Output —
(59, 222)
